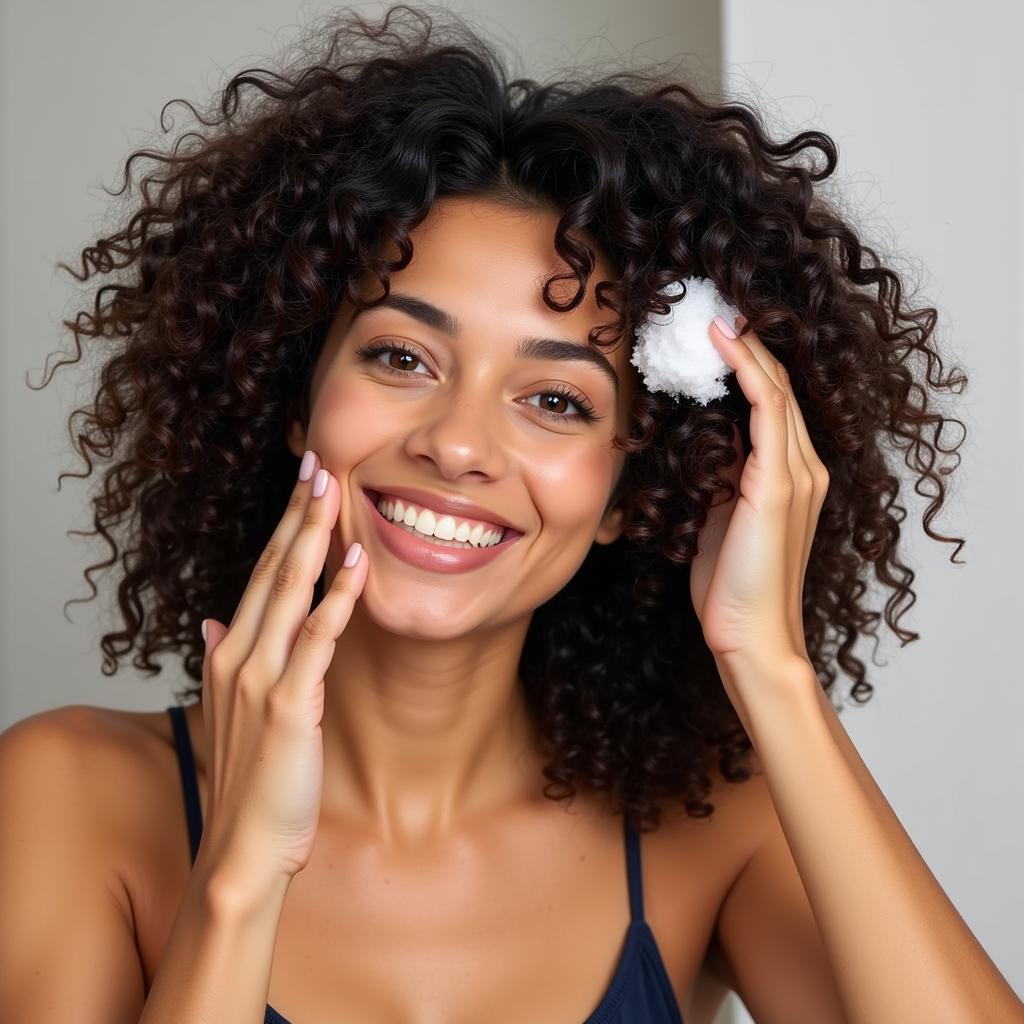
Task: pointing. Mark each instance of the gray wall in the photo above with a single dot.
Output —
(924, 101)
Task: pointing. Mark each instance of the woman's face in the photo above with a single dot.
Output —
(465, 416)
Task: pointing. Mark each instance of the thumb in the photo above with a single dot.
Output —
(213, 633)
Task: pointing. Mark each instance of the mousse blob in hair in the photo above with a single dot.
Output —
(673, 351)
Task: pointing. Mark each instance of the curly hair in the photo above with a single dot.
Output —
(253, 228)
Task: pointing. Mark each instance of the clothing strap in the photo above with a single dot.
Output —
(189, 786)
(633, 874)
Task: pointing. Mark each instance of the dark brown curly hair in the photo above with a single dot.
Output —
(252, 229)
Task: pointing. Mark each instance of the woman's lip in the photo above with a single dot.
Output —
(422, 554)
(509, 532)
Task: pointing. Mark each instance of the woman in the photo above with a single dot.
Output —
(395, 288)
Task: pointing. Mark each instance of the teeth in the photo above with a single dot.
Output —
(443, 530)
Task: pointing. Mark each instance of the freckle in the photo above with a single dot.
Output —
(387, 881)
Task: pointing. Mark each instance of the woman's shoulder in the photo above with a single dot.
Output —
(111, 762)
(102, 737)
(90, 737)
(88, 798)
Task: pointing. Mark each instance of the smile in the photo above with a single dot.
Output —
(437, 554)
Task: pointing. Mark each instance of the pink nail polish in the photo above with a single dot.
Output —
(352, 555)
(306, 466)
(724, 327)
(320, 483)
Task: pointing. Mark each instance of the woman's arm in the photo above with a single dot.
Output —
(898, 950)
(217, 961)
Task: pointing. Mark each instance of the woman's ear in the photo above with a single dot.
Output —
(295, 437)
(618, 515)
(615, 521)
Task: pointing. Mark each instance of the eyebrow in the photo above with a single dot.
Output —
(528, 348)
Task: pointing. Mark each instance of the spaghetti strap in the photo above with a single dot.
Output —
(189, 786)
(633, 874)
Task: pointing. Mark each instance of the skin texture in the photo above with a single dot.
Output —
(423, 723)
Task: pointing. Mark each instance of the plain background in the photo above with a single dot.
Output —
(924, 101)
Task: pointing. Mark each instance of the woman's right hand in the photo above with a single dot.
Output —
(263, 694)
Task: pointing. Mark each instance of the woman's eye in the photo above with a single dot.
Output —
(401, 364)
(403, 357)
(586, 410)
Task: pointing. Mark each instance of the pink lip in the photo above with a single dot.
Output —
(454, 505)
(432, 557)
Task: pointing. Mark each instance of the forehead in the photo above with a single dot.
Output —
(487, 263)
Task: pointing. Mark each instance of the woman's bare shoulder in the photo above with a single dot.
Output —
(94, 730)
(84, 728)
(116, 756)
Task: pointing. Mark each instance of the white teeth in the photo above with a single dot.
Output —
(426, 523)
(441, 530)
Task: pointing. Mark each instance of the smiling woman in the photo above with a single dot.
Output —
(383, 307)
(516, 423)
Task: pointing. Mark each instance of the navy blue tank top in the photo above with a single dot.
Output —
(640, 991)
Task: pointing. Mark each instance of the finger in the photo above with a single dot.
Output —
(712, 534)
(815, 466)
(813, 487)
(721, 510)
(802, 493)
(314, 646)
(777, 371)
(768, 418)
(214, 632)
(245, 624)
(798, 428)
(802, 457)
(292, 592)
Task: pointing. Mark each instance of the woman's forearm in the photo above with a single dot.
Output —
(216, 964)
(898, 948)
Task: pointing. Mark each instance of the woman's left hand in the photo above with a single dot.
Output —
(747, 579)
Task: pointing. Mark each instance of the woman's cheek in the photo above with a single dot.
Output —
(571, 490)
(347, 423)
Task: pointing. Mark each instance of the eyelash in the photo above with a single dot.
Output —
(586, 413)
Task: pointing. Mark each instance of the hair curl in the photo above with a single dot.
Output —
(225, 277)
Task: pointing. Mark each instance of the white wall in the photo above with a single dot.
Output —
(924, 100)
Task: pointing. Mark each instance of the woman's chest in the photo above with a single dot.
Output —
(497, 936)
(523, 922)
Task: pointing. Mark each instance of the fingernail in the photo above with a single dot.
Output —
(724, 326)
(306, 466)
(352, 555)
(320, 483)
(202, 629)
